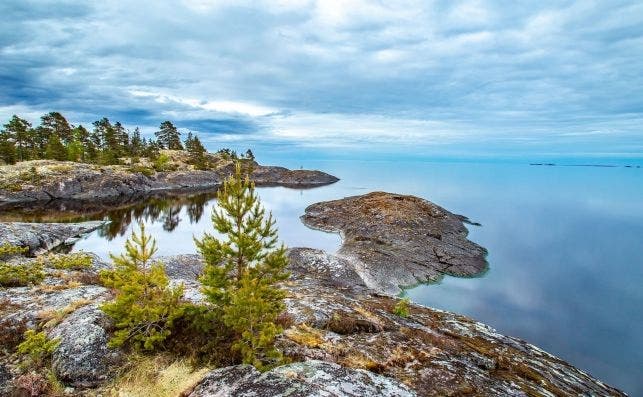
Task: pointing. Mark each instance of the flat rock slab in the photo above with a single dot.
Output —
(41, 237)
(398, 241)
(310, 378)
(280, 176)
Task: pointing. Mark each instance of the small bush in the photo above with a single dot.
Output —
(145, 306)
(164, 163)
(20, 275)
(73, 261)
(8, 250)
(402, 308)
(141, 169)
(37, 348)
(31, 176)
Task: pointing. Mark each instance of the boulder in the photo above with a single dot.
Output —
(83, 359)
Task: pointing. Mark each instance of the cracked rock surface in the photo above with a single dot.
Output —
(310, 378)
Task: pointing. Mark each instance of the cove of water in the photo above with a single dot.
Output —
(565, 247)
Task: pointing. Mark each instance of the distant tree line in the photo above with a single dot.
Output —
(107, 143)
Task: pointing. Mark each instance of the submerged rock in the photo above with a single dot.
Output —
(42, 237)
(395, 240)
(310, 378)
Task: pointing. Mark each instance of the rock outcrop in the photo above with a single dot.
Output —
(310, 378)
(433, 352)
(45, 180)
(394, 240)
(42, 237)
(280, 176)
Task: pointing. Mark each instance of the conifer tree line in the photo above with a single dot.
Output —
(106, 143)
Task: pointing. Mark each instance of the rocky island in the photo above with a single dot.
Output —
(47, 180)
(341, 330)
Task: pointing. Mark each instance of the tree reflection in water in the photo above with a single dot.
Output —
(120, 213)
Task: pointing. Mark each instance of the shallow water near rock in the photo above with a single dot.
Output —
(564, 245)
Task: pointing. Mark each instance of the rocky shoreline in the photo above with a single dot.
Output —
(342, 331)
(46, 180)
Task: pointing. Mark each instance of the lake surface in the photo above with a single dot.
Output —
(565, 247)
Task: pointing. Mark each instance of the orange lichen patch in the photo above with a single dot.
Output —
(305, 335)
(361, 361)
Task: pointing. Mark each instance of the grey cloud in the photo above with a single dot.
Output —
(493, 66)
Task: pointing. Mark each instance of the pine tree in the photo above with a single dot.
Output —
(18, 131)
(250, 155)
(56, 123)
(136, 143)
(55, 149)
(75, 151)
(196, 152)
(83, 137)
(122, 138)
(109, 141)
(242, 273)
(145, 305)
(7, 149)
(168, 136)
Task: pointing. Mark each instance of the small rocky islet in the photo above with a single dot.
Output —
(343, 335)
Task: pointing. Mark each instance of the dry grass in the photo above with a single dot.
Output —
(157, 376)
(305, 335)
(50, 318)
(59, 287)
(360, 361)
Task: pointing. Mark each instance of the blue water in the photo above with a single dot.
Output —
(565, 248)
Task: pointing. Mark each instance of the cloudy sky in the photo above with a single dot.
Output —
(460, 78)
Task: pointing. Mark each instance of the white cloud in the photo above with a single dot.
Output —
(217, 106)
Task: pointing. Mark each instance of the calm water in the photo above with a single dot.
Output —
(565, 247)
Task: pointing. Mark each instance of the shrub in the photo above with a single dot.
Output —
(141, 169)
(8, 250)
(402, 308)
(73, 261)
(164, 163)
(145, 306)
(37, 347)
(20, 275)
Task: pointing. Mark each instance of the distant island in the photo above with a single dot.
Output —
(57, 161)
(586, 165)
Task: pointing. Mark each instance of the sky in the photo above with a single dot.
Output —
(424, 78)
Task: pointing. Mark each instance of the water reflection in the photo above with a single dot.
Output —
(120, 213)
